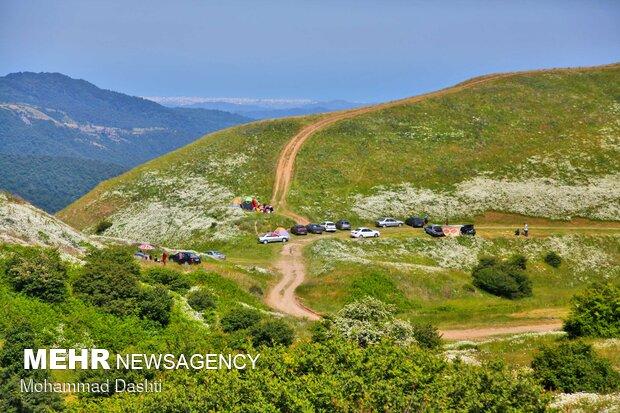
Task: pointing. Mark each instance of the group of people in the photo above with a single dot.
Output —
(525, 230)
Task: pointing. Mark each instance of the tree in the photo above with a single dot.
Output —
(595, 312)
(574, 367)
(109, 280)
(38, 272)
(239, 319)
(272, 333)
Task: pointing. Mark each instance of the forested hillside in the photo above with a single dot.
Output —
(53, 115)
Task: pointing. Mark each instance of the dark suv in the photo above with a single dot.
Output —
(343, 224)
(434, 231)
(299, 229)
(185, 258)
(415, 222)
(468, 229)
(315, 228)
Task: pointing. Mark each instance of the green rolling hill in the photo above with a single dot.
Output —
(541, 144)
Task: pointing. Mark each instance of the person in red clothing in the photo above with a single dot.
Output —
(164, 257)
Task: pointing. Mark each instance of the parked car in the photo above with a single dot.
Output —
(216, 255)
(299, 229)
(364, 232)
(315, 228)
(328, 226)
(140, 256)
(388, 222)
(280, 236)
(416, 222)
(434, 231)
(185, 257)
(468, 229)
(343, 224)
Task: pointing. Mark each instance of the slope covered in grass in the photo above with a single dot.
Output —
(185, 197)
(539, 144)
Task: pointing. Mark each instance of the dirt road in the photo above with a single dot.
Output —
(282, 296)
(479, 333)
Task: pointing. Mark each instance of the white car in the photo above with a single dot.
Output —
(364, 233)
(388, 222)
(328, 226)
(274, 237)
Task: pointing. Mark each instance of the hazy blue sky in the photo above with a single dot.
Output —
(358, 50)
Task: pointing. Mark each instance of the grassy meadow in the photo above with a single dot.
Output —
(430, 279)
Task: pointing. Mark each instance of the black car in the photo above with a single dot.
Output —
(415, 222)
(315, 228)
(434, 231)
(343, 224)
(299, 229)
(468, 229)
(185, 258)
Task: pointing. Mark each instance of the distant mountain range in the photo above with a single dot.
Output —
(61, 136)
(257, 108)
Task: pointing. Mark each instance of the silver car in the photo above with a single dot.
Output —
(388, 222)
(274, 237)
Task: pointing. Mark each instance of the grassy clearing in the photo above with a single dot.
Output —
(430, 279)
(538, 144)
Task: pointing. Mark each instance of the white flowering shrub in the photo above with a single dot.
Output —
(597, 198)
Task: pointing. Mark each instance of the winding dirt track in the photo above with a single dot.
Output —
(282, 296)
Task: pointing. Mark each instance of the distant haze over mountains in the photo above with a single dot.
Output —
(257, 108)
(61, 136)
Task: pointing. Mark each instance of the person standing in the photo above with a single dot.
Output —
(164, 257)
(526, 230)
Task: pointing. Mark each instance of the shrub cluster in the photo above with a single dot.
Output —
(102, 227)
(201, 299)
(38, 272)
(553, 259)
(109, 280)
(574, 367)
(595, 312)
(174, 280)
(503, 278)
(273, 332)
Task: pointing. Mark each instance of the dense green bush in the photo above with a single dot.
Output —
(38, 272)
(503, 278)
(155, 304)
(519, 261)
(18, 337)
(595, 312)
(172, 279)
(201, 299)
(574, 367)
(272, 333)
(553, 259)
(339, 376)
(109, 280)
(427, 335)
(102, 227)
(239, 319)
